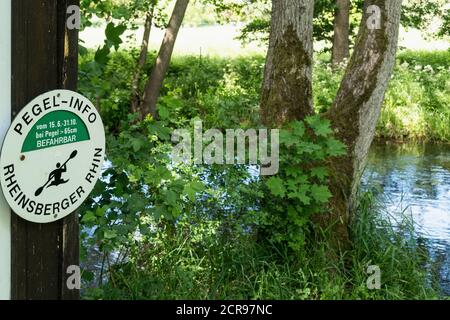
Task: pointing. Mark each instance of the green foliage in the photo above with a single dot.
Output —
(139, 188)
(166, 231)
(211, 12)
(435, 59)
(417, 100)
(118, 16)
(420, 14)
(415, 14)
(124, 12)
(378, 241)
(300, 188)
(199, 262)
(224, 93)
(258, 22)
(108, 86)
(416, 105)
(113, 40)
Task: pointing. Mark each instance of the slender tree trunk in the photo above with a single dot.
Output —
(287, 86)
(155, 82)
(135, 95)
(341, 31)
(357, 107)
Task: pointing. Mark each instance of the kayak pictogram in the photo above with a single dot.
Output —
(55, 177)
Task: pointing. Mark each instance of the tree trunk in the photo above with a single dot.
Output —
(135, 95)
(287, 93)
(341, 32)
(155, 82)
(287, 86)
(357, 107)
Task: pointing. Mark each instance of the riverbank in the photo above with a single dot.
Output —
(200, 262)
(224, 92)
(211, 254)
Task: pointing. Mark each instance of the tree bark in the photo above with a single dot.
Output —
(340, 49)
(287, 86)
(135, 95)
(155, 82)
(357, 107)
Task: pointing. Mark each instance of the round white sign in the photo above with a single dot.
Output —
(52, 156)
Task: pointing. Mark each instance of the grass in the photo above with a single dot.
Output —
(434, 59)
(200, 263)
(417, 103)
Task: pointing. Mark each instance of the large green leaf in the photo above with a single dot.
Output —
(276, 186)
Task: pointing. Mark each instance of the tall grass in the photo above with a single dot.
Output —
(417, 103)
(198, 262)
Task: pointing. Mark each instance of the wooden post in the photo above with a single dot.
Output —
(44, 57)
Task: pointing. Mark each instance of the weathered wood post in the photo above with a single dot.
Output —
(38, 53)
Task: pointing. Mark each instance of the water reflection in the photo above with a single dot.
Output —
(415, 178)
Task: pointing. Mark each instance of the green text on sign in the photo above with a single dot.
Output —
(54, 129)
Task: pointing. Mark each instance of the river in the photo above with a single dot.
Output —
(415, 179)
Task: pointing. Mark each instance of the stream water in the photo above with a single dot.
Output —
(415, 179)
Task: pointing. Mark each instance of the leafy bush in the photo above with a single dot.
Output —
(300, 189)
